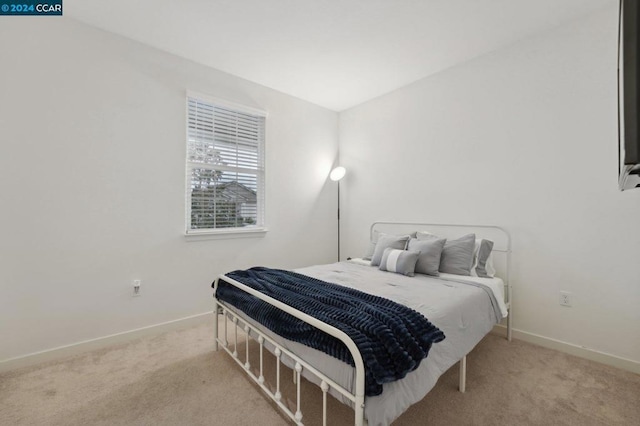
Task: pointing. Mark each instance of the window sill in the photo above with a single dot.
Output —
(223, 234)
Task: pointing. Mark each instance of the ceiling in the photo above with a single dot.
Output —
(334, 53)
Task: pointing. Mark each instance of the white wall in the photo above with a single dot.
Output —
(92, 175)
(526, 138)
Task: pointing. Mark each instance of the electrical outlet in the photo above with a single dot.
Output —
(136, 287)
(565, 298)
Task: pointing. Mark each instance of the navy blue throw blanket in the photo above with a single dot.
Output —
(391, 337)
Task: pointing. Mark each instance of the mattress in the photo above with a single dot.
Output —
(461, 307)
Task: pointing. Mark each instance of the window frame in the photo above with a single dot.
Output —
(260, 228)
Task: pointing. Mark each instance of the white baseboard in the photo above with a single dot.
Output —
(101, 342)
(570, 348)
(193, 320)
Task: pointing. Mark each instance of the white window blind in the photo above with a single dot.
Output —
(225, 166)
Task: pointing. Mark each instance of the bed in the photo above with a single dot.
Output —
(465, 308)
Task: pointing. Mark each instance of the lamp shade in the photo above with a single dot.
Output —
(337, 173)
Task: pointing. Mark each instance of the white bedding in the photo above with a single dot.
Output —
(464, 312)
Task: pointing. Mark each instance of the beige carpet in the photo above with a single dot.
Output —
(176, 379)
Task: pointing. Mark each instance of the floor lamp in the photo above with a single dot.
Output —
(335, 175)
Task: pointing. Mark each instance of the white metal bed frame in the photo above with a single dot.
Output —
(357, 397)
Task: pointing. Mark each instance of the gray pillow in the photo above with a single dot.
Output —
(374, 240)
(399, 261)
(482, 256)
(370, 249)
(430, 253)
(372, 246)
(398, 242)
(457, 255)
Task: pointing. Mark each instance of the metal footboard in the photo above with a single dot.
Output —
(300, 365)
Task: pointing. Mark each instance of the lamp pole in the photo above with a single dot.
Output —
(336, 175)
(338, 221)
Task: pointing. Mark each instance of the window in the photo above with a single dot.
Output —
(225, 167)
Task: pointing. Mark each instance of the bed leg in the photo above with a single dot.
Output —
(509, 326)
(215, 325)
(463, 374)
